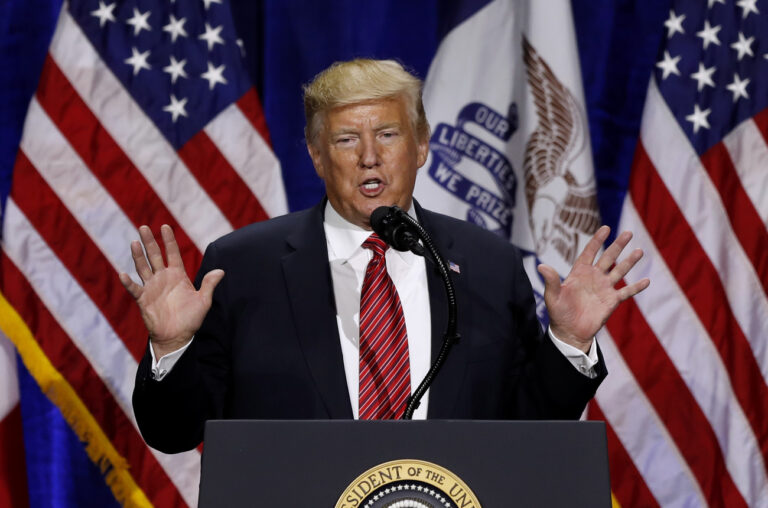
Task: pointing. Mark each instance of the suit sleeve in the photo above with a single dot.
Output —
(171, 413)
(548, 386)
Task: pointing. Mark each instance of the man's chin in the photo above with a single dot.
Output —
(364, 209)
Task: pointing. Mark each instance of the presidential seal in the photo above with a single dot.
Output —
(407, 484)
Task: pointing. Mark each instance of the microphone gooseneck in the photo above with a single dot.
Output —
(403, 232)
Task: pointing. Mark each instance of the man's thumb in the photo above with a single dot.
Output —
(551, 280)
(210, 281)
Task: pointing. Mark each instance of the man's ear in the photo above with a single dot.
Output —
(317, 160)
(422, 150)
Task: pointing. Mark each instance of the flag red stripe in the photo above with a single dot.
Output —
(700, 282)
(627, 483)
(250, 105)
(666, 390)
(76, 251)
(107, 161)
(13, 472)
(745, 221)
(76, 369)
(761, 120)
(221, 181)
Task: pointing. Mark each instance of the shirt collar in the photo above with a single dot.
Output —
(346, 239)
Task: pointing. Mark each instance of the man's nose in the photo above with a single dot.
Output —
(369, 154)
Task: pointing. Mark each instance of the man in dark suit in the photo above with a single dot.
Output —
(277, 337)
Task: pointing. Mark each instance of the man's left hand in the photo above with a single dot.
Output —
(580, 305)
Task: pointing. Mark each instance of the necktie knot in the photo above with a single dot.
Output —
(375, 244)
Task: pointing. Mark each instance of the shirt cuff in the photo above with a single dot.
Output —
(161, 367)
(583, 362)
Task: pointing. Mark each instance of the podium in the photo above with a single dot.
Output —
(344, 463)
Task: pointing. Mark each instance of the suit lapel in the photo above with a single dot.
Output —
(308, 278)
(445, 390)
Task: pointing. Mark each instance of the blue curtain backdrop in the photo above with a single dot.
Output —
(287, 42)
(618, 46)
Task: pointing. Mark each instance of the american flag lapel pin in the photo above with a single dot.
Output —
(454, 267)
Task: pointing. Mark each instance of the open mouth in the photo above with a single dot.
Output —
(372, 187)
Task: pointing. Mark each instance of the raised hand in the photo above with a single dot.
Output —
(171, 307)
(580, 305)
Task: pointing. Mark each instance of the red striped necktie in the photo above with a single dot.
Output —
(385, 373)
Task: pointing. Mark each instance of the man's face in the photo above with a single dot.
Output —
(368, 155)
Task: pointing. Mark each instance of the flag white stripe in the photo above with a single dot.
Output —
(694, 355)
(643, 434)
(681, 170)
(65, 172)
(9, 388)
(137, 136)
(251, 157)
(80, 317)
(749, 154)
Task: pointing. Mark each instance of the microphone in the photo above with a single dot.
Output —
(390, 223)
(402, 232)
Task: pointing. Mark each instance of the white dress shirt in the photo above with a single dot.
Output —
(408, 272)
(348, 261)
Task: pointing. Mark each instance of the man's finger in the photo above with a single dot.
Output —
(623, 268)
(134, 289)
(210, 281)
(154, 255)
(612, 253)
(587, 256)
(140, 262)
(631, 290)
(171, 247)
(551, 280)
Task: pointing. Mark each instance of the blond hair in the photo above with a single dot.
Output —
(362, 80)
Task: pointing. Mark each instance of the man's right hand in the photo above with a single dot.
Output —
(171, 307)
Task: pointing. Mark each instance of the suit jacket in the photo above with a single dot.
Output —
(270, 348)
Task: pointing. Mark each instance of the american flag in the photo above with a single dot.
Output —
(143, 115)
(687, 396)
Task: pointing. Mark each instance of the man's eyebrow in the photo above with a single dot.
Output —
(354, 130)
(389, 125)
(344, 130)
